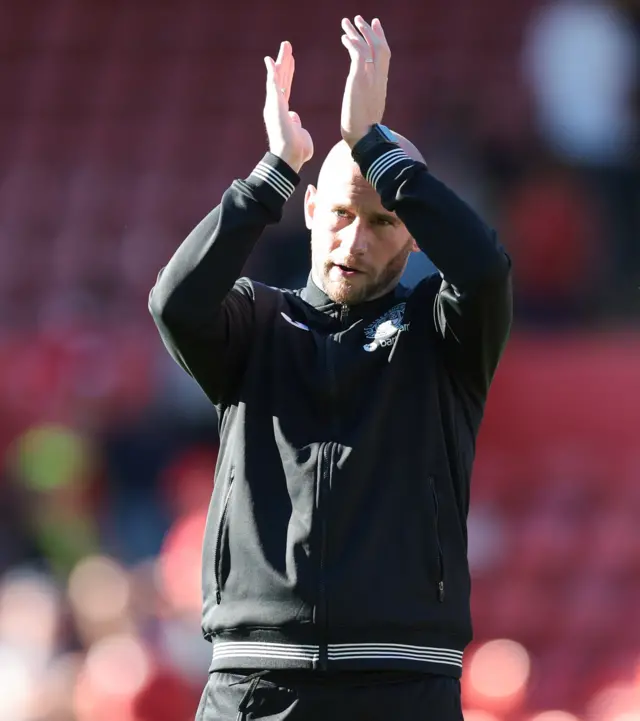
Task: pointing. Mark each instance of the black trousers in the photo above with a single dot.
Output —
(345, 696)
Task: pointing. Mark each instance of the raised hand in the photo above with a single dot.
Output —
(365, 92)
(287, 138)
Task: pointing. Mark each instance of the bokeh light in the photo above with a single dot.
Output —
(479, 715)
(498, 672)
(180, 563)
(99, 593)
(554, 716)
(30, 608)
(50, 456)
(53, 699)
(115, 670)
(616, 702)
(17, 686)
(56, 466)
(118, 665)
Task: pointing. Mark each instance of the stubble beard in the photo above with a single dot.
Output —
(363, 286)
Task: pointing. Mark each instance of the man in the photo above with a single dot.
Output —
(336, 582)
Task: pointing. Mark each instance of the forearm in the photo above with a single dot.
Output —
(193, 285)
(448, 230)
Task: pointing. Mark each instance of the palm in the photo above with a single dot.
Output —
(365, 91)
(287, 138)
(302, 140)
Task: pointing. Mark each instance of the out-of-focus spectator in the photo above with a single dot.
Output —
(56, 469)
(555, 238)
(582, 63)
(30, 616)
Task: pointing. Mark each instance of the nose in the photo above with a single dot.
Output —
(354, 239)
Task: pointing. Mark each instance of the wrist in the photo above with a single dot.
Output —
(353, 138)
(273, 182)
(292, 159)
(380, 156)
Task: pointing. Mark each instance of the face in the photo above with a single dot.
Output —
(359, 249)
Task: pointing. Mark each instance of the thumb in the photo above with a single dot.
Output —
(295, 117)
(271, 75)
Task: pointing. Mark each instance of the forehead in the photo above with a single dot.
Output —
(345, 185)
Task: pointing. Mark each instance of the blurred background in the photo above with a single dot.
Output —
(121, 123)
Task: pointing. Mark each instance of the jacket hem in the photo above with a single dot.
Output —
(267, 649)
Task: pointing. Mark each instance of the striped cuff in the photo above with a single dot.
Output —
(387, 166)
(273, 180)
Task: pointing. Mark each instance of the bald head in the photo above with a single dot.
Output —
(340, 163)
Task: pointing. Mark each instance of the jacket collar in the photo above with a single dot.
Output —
(316, 297)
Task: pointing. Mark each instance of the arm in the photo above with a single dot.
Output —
(473, 306)
(203, 312)
(205, 315)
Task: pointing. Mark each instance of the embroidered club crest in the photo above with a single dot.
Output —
(384, 328)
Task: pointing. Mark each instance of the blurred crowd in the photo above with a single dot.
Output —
(531, 111)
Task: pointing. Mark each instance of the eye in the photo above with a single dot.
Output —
(384, 222)
(340, 213)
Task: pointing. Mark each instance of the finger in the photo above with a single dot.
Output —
(271, 74)
(366, 31)
(355, 51)
(281, 70)
(287, 80)
(281, 63)
(353, 34)
(377, 28)
(383, 49)
(281, 52)
(355, 44)
(274, 84)
(285, 58)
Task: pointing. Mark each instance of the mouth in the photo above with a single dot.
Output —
(346, 270)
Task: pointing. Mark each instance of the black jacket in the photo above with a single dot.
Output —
(336, 536)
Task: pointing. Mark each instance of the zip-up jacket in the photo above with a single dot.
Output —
(336, 536)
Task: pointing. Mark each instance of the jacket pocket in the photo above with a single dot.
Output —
(436, 523)
(220, 536)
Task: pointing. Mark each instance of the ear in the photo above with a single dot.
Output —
(309, 205)
(414, 246)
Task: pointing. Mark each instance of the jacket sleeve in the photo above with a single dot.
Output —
(203, 311)
(473, 305)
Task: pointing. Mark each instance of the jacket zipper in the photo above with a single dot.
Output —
(221, 527)
(323, 501)
(439, 544)
(326, 460)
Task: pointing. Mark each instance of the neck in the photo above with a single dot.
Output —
(317, 279)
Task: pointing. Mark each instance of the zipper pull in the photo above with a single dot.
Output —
(441, 591)
(344, 312)
(395, 345)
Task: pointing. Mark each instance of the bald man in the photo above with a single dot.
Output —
(335, 576)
